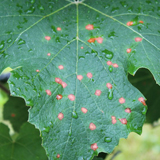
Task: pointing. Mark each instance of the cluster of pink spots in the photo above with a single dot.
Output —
(48, 92)
(128, 50)
(141, 99)
(71, 97)
(121, 100)
(92, 126)
(61, 67)
(109, 86)
(128, 110)
(94, 146)
(113, 119)
(92, 40)
(115, 65)
(84, 110)
(60, 116)
(59, 29)
(59, 81)
(47, 38)
(58, 155)
(130, 23)
(79, 77)
(99, 40)
(123, 120)
(98, 92)
(89, 75)
(138, 39)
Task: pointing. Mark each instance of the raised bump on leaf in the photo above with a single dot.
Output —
(89, 27)
(91, 40)
(58, 155)
(141, 22)
(109, 63)
(48, 54)
(138, 39)
(113, 119)
(89, 75)
(130, 23)
(109, 86)
(98, 92)
(59, 96)
(115, 65)
(128, 110)
(99, 39)
(94, 146)
(79, 77)
(84, 110)
(82, 47)
(48, 92)
(64, 84)
(37, 70)
(47, 38)
(13, 115)
(60, 116)
(141, 99)
(129, 50)
(71, 97)
(58, 80)
(60, 67)
(92, 126)
(121, 100)
(123, 120)
(59, 29)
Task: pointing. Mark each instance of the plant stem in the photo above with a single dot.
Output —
(4, 88)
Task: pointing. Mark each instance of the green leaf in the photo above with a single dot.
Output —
(16, 112)
(46, 40)
(27, 145)
(144, 81)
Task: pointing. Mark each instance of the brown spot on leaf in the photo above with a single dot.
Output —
(59, 96)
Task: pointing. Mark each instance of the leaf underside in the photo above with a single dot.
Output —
(84, 44)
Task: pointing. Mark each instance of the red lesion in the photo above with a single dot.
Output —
(130, 23)
(58, 155)
(59, 96)
(123, 120)
(94, 146)
(13, 115)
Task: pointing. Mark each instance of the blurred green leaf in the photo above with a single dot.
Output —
(27, 145)
(16, 112)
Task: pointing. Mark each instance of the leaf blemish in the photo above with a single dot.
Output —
(92, 126)
(48, 92)
(58, 80)
(130, 23)
(47, 38)
(94, 146)
(59, 96)
(60, 67)
(91, 40)
(113, 119)
(98, 92)
(58, 155)
(129, 50)
(138, 39)
(123, 120)
(48, 54)
(89, 27)
(121, 100)
(71, 97)
(109, 63)
(79, 77)
(59, 29)
(82, 47)
(60, 116)
(109, 86)
(99, 39)
(128, 110)
(64, 84)
(141, 99)
(89, 75)
(84, 110)
(115, 65)
(37, 70)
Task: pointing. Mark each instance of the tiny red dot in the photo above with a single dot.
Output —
(60, 67)
(48, 92)
(141, 22)
(58, 80)
(121, 100)
(123, 120)
(99, 39)
(115, 65)
(138, 39)
(94, 146)
(113, 119)
(92, 126)
(89, 75)
(37, 70)
(84, 110)
(98, 92)
(129, 50)
(59, 29)
(48, 54)
(64, 84)
(109, 86)
(141, 99)
(71, 97)
(91, 40)
(129, 23)
(109, 63)
(128, 110)
(79, 77)
(59, 96)
(82, 47)
(13, 115)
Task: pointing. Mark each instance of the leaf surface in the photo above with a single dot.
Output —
(27, 145)
(70, 63)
